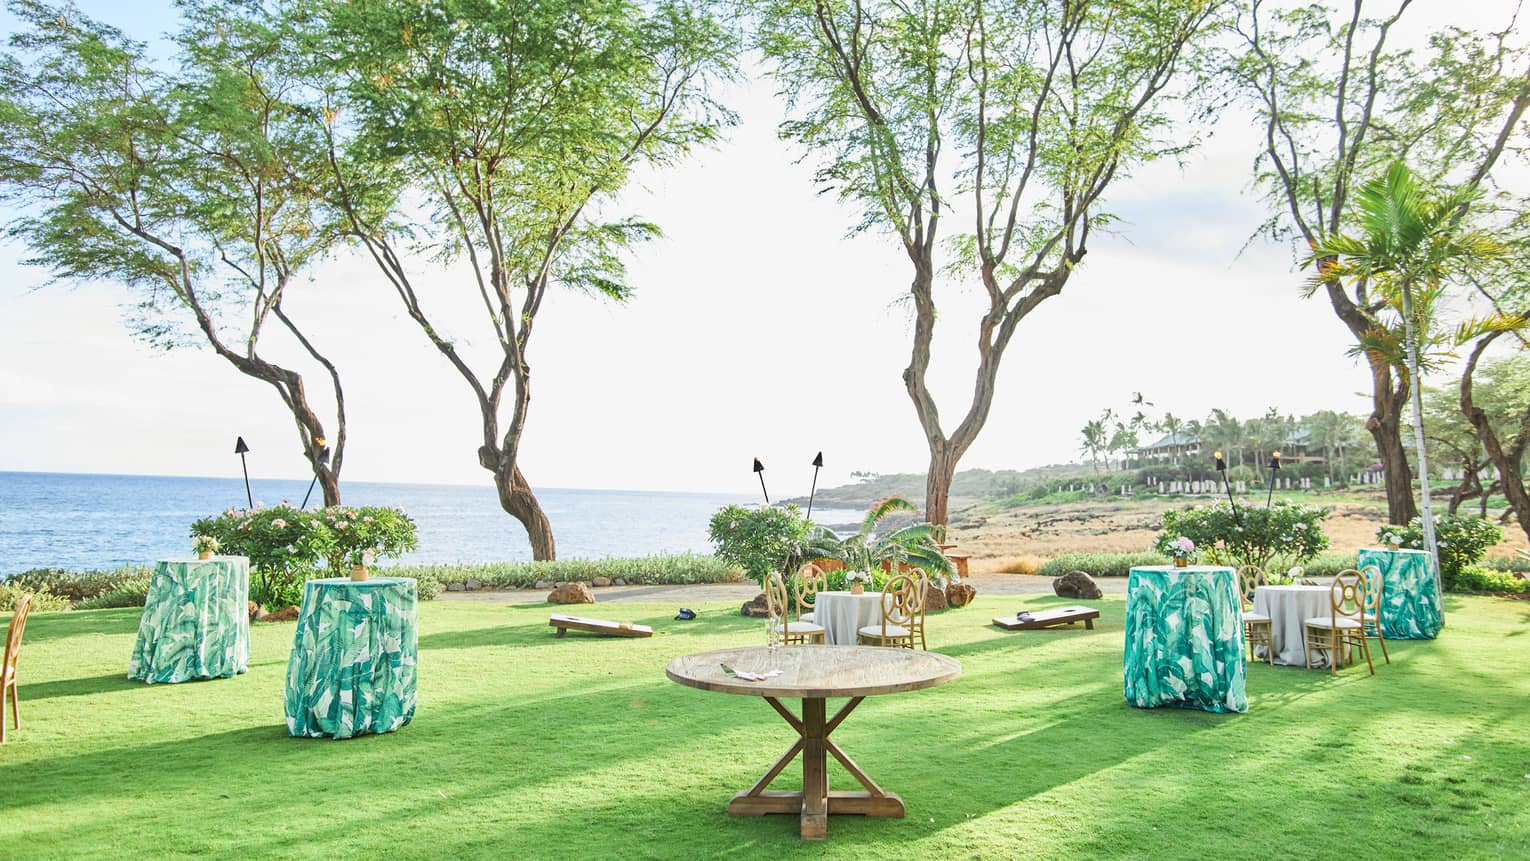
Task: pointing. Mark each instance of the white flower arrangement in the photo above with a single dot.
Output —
(205, 544)
(858, 577)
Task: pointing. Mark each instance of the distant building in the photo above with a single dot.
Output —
(1169, 449)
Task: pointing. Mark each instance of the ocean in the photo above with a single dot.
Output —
(85, 522)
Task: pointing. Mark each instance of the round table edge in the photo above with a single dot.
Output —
(765, 689)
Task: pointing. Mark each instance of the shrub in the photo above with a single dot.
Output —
(43, 601)
(132, 592)
(836, 581)
(1100, 564)
(284, 545)
(1274, 538)
(758, 540)
(1461, 541)
(80, 586)
(1020, 565)
(359, 536)
(1474, 578)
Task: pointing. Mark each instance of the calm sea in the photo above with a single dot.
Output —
(83, 522)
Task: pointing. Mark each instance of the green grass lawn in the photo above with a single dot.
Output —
(529, 747)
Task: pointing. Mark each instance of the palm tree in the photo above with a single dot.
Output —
(1096, 440)
(1411, 248)
(1227, 433)
(914, 544)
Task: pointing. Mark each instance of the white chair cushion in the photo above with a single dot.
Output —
(799, 628)
(1255, 617)
(1331, 622)
(810, 616)
(892, 631)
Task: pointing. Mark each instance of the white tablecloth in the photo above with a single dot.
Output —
(1288, 607)
(843, 613)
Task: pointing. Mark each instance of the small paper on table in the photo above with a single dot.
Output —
(749, 677)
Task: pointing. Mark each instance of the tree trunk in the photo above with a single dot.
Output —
(518, 500)
(937, 484)
(1417, 390)
(1507, 461)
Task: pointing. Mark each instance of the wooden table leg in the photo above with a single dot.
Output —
(815, 803)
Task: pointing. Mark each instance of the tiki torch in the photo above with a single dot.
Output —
(240, 448)
(817, 465)
(1274, 468)
(759, 469)
(1222, 468)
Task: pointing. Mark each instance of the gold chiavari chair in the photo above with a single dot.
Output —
(1257, 629)
(8, 663)
(1341, 630)
(792, 633)
(902, 615)
(810, 581)
(1370, 618)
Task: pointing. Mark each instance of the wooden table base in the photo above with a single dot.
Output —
(815, 803)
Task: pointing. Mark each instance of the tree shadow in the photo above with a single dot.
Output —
(79, 687)
(45, 627)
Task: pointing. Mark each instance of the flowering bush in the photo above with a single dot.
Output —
(360, 535)
(758, 540)
(1272, 538)
(1461, 541)
(284, 545)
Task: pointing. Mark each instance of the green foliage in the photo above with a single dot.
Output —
(128, 593)
(1461, 540)
(361, 536)
(83, 585)
(915, 544)
(1273, 538)
(837, 582)
(680, 569)
(285, 546)
(758, 540)
(1474, 578)
(1099, 564)
(43, 601)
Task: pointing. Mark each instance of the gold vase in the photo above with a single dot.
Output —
(204, 555)
(1181, 562)
(359, 573)
(857, 588)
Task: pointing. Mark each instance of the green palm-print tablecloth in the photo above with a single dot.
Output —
(1410, 599)
(352, 669)
(195, 623)
(1184, 639)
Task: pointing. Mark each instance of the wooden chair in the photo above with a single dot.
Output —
(792, 633)
(810, 580)
(1370, 618)
(1341, 630)
(902, 615)
(1256, 626)
(8, 664)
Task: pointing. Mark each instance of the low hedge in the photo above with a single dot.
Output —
(1475, 578)
(1100, 564)
(677, 570)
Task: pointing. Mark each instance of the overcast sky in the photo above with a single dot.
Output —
(757, 329)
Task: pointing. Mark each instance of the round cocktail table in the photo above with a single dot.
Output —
(813, 674)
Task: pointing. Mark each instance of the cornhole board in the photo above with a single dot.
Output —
(604, 627)
(1050, 619)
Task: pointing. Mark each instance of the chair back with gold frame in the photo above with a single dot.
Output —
(8, 661)
(775, 598)
(902, 603)
(810, 581)
(1344, 630)
(1370, 613)
(1250, 578)
(1347, 594)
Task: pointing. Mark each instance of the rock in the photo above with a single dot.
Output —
(256, 611)
(618, 582)
(454, 587)
(471, 585)
(289, 614)
(571, 593)
(1076, 584)
(934, 600)
(755, 607)
(1518, 575)
(602, 581)
(543, 584)
(960, 594)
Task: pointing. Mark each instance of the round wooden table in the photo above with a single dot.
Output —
(813, 674)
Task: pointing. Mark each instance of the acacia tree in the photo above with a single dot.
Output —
(497, 135)
(1028, 110)
(1337, 101)
(195, 189)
